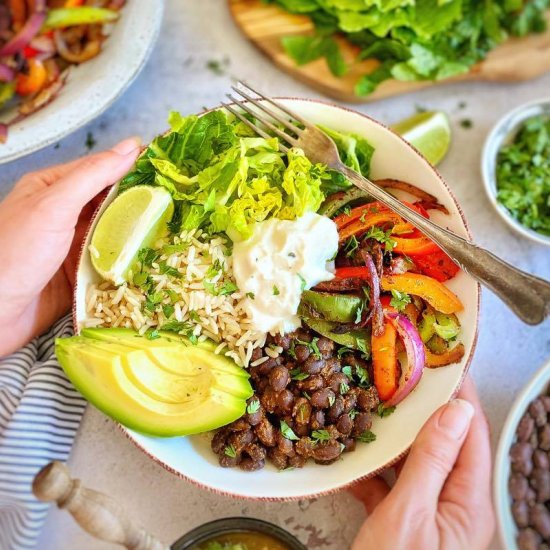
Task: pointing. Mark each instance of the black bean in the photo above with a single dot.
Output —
(317, 421)
(528, 539)
(539, 518)
(256, 354)
(521, 455)
(332, 365)
(265, 368)
(367, 400)
(286, 446)
(344, 424)
(328, 451)
(301, 430)
(350, 400)
(362, 423)
(349, 444)
(336, 409)
(269, 400)
(302, 411)
(305, 446)
(239, 425)
(540, 460)
(255, 418)
(228, 461)
(219, 441)
(313, 365)
(255, 451)
(544, 438)
(301, 352)
(240, 439)
(312, 383)
(321, 399)
(325, 346)
(525, 428)
(540, 481)
(279, 459)
(297, 461)
(520, 511)
(282, 340)
(338, 381)
(266, 433)
(279, 378)
(250, 465)
(285, 401)
(537, 411)
(518, 486)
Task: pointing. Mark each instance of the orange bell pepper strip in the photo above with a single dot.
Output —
(384, 361)
(355, 213)
(27, 84)
(73, 3)
(430, 290)
(454, 355)
(419, 246)
(362, 224)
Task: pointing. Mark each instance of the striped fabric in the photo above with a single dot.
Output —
(39, 414)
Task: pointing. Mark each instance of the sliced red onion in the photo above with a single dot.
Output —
(416, 358)
(3, 132)
(25, 35)
(6, 74)
(374, 284)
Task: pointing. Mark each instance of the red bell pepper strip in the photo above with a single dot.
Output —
(437, 265)
(384, 361)
(430, 290)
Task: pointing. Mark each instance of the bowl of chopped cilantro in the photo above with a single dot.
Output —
(516, 169)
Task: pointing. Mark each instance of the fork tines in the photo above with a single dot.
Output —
(264, 114)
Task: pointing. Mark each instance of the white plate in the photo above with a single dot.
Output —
(192, 458)
(93, 86)
(506, 524)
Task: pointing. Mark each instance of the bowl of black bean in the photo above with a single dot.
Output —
(522, 468)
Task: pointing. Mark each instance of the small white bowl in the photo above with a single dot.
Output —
(191, 457)
(506, 524)
(502, 133)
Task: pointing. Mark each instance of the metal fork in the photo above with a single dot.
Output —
(528, 296)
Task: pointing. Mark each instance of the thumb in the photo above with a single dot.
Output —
(434, 453)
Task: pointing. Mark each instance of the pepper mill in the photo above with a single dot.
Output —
(96, 513)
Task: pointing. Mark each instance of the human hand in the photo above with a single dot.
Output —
(441, 499)
(42, 224)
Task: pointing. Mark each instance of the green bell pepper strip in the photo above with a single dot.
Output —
(7, 91)
(83, 15)
(355, 339)
(447, 326)
(335, 202)
(338, 308)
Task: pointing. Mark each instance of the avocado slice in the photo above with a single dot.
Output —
(162, 387)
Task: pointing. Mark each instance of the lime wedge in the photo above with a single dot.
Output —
(429, 132)
(134, 220)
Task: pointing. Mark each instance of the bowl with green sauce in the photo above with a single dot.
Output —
(238, 533)
(516, 169)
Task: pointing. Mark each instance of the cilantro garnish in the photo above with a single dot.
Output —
(250, 295)
(367, 437)
(399, 300)
(320, 435)
(303, 282)
(276, 291)
(287, 432)
(351, 246)
(383, 411)
(383, 237)
(253, 406)
(230, 451)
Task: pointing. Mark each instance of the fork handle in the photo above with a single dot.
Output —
(526, 295)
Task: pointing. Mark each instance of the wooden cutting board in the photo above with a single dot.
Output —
(265, 25)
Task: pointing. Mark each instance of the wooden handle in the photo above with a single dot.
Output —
(98, 514)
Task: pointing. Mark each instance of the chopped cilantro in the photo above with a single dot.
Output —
(253, 406)
(230, 451)
(351, 246)
(172, 295)
(175, 326)
(367, 437)
(152, 334)
(399, 300)
(383, 237)
(276, 291)
(194, 316)
(343, 350)
(303, 282)
(165, 269)
(228, 287)
(250, 295)
(312, 346)
(344, 388)
(331, 400)
(147, 256)
(353, 413)
(320, 435)
(169, 249)
(347, 371)
(287, 432)
(168, 309)
(384, 411)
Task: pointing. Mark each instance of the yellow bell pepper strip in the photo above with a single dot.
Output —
(454, 355)
(82, 15)
(34, 81)
(384, 361)
(430, 290)
(362, 224)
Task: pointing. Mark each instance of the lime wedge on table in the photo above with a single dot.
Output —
(134, 220)
(429, 132)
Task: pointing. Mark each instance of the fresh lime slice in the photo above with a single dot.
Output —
(429, 132)
(134, 220)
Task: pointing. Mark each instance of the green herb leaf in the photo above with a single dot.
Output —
(287, 432)
(276, 291)
(230, 451)
(399, 300)
(320, 435)
(303, 282)
(367, 437)
(347, 371)
(152, 334)
(351, 246)
(253, 406)
(384, 411)
(344, 388)
(250, 295)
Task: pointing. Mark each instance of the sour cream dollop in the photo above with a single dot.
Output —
(279, 261)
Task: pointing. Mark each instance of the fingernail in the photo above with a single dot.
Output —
(456, 417)
(127, 146)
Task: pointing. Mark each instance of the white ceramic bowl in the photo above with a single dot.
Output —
(192, 458)
(92, 86)
(506, 525)
(501, 134)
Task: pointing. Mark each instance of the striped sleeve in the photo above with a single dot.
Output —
(40, 412)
